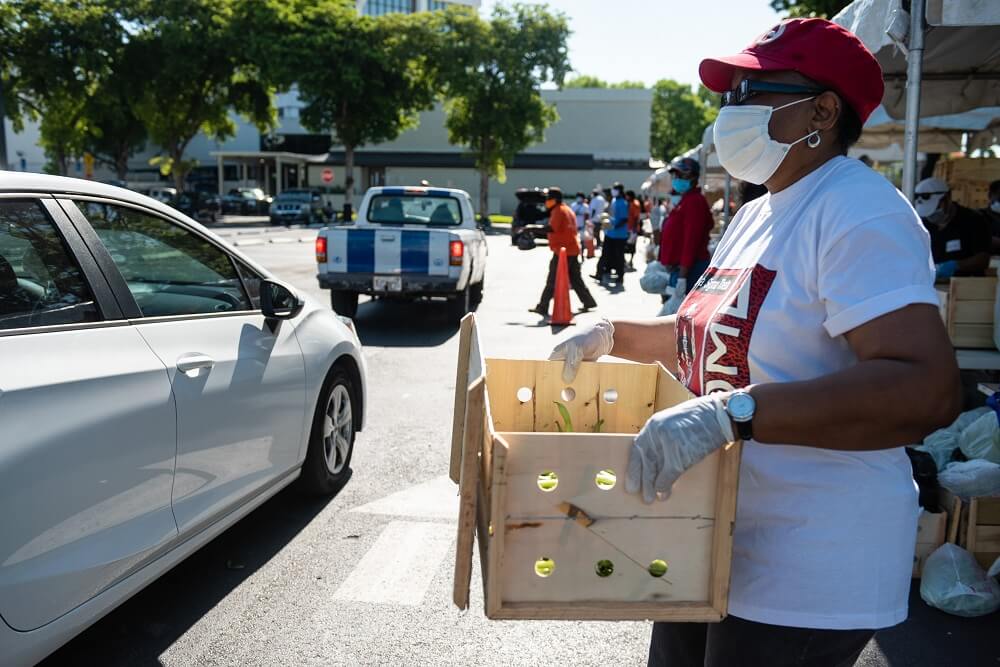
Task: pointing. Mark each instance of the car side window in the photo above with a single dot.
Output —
(41, 284)
(169, 269)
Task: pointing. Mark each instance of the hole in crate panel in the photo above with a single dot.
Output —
(548, 481)
(544, 567)
(606, 480)
(568, 394)
(604, 568)
(610, 396)
(524, 394)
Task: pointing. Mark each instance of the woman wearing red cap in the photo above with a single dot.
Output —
(814, 337)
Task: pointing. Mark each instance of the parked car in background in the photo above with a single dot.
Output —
(199, 205)
(160, 193)
(246, 201)
(531, 218)
(297, 205)
(157, 386)
(407, 243)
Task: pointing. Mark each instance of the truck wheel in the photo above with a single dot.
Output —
(344, 303)
(461, 305)
(477, 293)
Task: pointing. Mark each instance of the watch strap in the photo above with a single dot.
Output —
(744, 429)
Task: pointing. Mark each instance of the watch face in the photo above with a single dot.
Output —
(741, 406)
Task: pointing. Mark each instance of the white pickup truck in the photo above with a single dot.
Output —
(407, 243)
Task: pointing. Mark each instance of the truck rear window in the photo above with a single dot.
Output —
(414, 210)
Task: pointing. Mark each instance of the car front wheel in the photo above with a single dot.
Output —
(331, 441)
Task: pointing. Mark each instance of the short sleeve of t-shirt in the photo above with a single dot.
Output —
(874, 268)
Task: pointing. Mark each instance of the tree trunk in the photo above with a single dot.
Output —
(121, 165)
(178, 169)
(484, 193)
(348, 174)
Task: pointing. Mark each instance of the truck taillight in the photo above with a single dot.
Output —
(321, 250)
(456, 250)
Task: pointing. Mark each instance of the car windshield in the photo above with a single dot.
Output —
(414, 209)
(293, 197)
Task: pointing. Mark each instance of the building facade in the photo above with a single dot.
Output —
(381, 7)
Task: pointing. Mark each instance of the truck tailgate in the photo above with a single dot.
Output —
(388, 251)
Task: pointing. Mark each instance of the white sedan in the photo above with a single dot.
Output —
(155, 387)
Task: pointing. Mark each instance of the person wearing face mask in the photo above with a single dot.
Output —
(684, 250)
(960, 237)
(563, 234)
(814, 337)
(615, 238)
(992, 214)
(657, 215)
(597, 205)
(581, 210)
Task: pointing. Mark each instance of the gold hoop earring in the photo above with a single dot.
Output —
(814, 144)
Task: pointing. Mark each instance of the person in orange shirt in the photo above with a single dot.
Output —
(563, 234)
(634, 224)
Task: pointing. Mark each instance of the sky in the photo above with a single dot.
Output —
(664, 39)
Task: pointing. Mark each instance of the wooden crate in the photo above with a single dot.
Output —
(509, 436)
(977, 528)
(967, 311)
(969, 179)
(932, 532)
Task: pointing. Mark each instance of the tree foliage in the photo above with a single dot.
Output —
(809, 8)
(679, 117)
(588, 81)
(491, 72)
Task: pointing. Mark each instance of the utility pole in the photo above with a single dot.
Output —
(3, 131)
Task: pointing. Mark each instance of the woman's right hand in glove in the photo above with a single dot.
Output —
(593, 342)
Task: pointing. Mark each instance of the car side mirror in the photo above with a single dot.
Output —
(279, 301)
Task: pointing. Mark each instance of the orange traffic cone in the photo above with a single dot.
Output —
(561, 313)
(589, 246)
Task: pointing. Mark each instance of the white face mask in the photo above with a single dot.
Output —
(995, 206)
(744, 144)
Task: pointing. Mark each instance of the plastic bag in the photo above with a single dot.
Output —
(971, 478)
(655, 279)
(954, 582)
(940, 444)
(981, 439)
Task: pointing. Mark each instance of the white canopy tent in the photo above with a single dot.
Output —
(947, 50)
(937, 134)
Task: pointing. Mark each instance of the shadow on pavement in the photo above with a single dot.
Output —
(932, 637)
(137, 632)
(391, 323)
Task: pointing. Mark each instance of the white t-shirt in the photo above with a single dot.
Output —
(823, 538)
(579, 208)
(597, 206)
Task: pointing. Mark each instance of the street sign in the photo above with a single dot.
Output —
(328, 175)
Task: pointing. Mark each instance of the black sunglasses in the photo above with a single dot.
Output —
(926, 196)
(748, 88)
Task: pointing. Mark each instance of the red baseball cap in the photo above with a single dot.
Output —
(815, 48)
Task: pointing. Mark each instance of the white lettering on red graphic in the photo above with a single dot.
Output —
(715, 325)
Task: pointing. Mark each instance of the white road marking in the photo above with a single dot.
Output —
(400, 566)
(435, 499)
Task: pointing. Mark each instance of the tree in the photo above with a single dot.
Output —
(679, 117)
(492, 72)
(809, 8)
(362, 78)
(198, 71)
(588, 81)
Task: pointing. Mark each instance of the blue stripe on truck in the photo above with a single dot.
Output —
(361, 251)
(413, 252)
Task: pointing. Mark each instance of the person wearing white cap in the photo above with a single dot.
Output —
(960, 237)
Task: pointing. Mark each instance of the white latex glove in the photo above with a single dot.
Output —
(675, 439)
(593, 342)
(677, 298)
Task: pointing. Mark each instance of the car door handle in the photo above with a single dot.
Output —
(188, 363)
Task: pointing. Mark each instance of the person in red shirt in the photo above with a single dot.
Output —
(684, 243)
(563, 234)
(634, 224)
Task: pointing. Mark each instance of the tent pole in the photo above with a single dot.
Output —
(914, 71)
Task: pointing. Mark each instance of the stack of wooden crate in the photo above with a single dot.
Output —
(969, 179)
(541, 467)
(967, 310)
(977, 528)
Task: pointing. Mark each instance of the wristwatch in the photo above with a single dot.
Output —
(741, 408)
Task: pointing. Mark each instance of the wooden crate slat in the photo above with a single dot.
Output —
(988, 511)
(504, 378)
(973, 289)
(585, 610)
(630, 544)
(973, 312)
(469, 491)
(576, 459)
(498, 497)
(633, 386)
(549, 388)
(972, 335)
(726, 485)
(987, 538)
(668, 390)
(462, 380)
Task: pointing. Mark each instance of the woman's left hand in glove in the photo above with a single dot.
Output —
(675, 439)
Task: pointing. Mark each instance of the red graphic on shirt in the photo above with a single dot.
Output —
(714, 326)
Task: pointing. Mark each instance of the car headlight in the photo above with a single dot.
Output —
(349, 323)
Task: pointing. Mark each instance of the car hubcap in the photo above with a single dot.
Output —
(338, 427)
